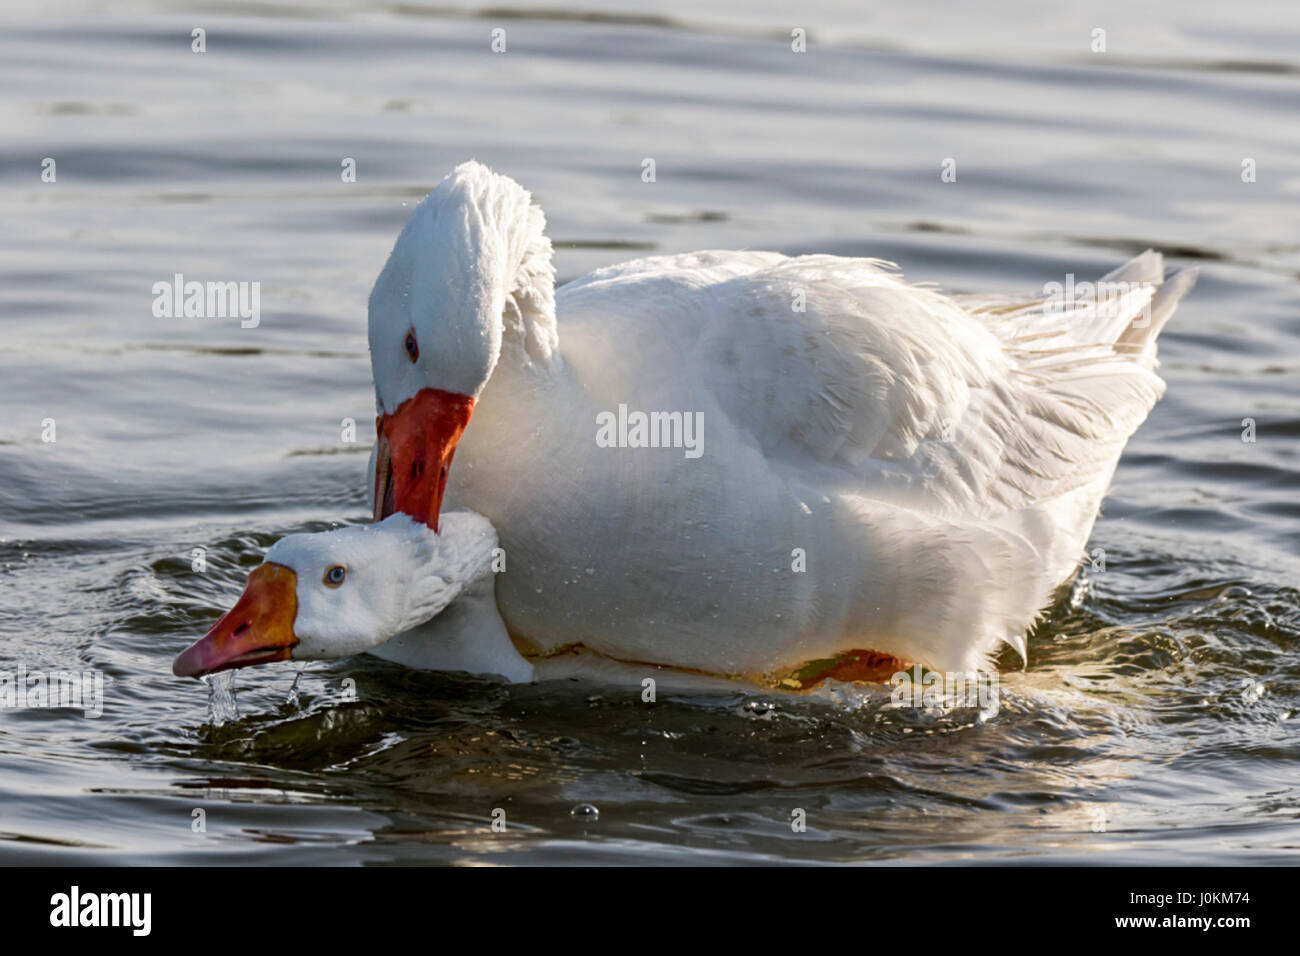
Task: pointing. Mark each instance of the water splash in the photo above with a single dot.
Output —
(222, 707)
(293, 700)
(1080, 589)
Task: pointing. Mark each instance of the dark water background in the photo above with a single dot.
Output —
(1157, 720)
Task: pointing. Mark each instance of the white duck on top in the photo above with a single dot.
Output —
(879, 466)
(935, 464)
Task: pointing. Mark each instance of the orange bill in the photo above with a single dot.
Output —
(416, 443)
(257, 630)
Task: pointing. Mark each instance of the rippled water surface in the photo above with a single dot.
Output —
(1157, 719)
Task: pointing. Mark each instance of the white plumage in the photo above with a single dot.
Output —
(935, 463)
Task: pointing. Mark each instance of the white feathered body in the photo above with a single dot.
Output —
(882, 467)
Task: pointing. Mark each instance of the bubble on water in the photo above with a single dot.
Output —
(222, 706)
(586, 812)
(760, 709)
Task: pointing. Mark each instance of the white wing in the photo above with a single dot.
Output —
(970, 408)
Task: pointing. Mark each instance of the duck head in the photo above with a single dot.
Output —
(339, 593)
(470, 274)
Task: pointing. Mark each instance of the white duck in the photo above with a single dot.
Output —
(875, 466)
(882, 466)
(396, 589)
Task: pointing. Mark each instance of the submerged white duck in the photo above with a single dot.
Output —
(740, 462)
(401, 591)
(396, 589)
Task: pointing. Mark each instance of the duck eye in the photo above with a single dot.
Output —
(412, 347)
(334, 576)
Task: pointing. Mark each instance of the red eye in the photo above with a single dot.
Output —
(412, 347)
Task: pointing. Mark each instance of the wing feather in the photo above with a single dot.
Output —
(972, 407)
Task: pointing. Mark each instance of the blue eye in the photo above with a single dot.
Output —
(412, 347)
(335, 576)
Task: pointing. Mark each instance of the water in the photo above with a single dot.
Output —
(1157, 719)
(222, 705)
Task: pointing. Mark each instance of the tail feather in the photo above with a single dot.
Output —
(1149, 267)
(1127, 311)
(1141, 334)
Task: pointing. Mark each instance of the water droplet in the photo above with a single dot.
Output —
(585, 811)
(761, 709)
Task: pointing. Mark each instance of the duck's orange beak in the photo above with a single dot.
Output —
(257, 630)
(415, 445)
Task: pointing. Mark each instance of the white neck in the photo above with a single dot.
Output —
(468, 636)
(451, 621)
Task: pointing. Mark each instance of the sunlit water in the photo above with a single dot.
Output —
(1157, 719)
